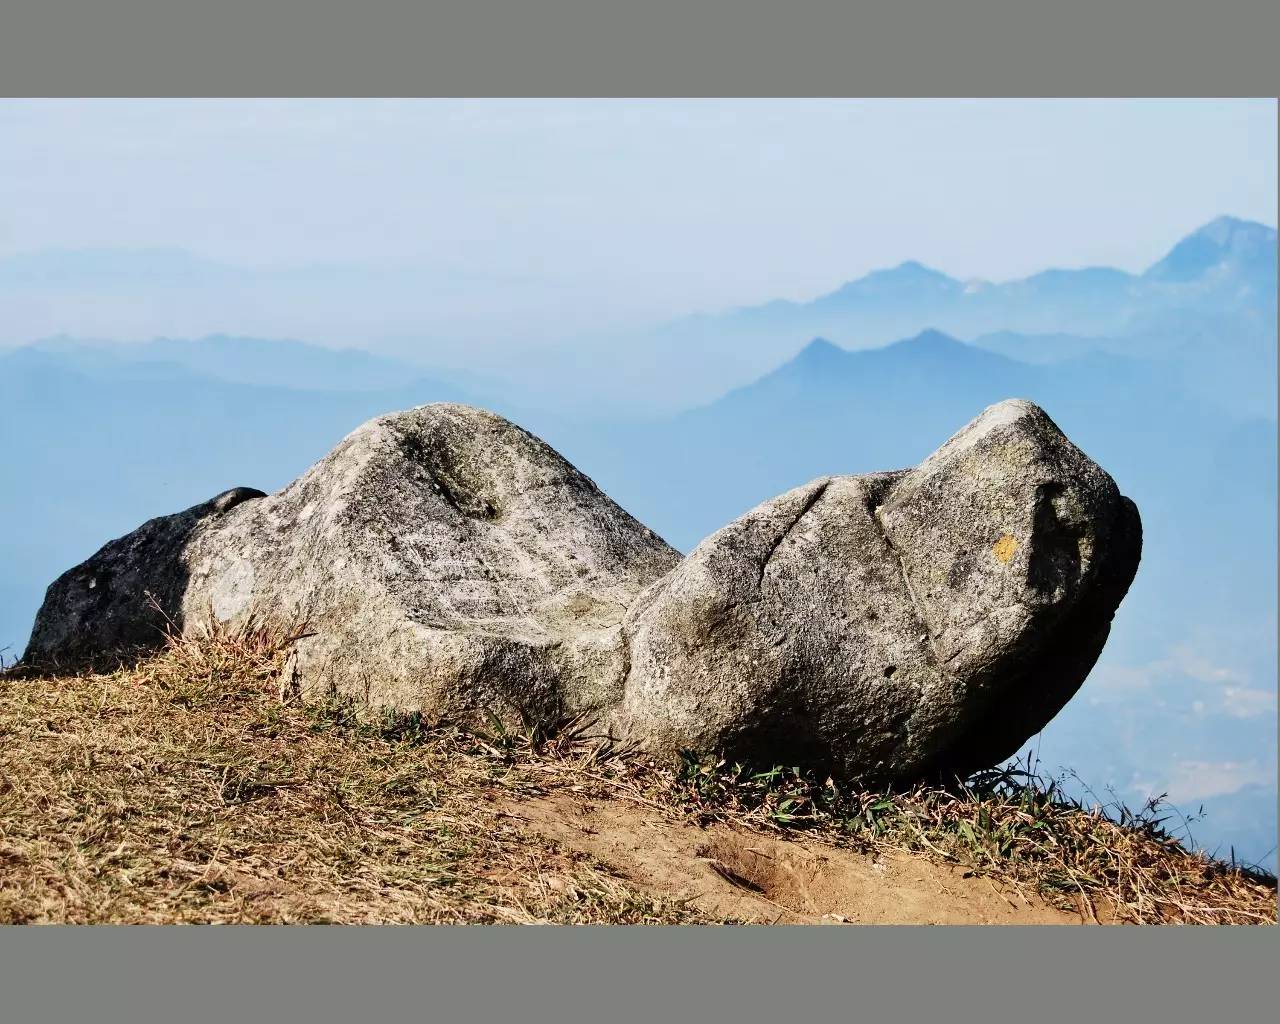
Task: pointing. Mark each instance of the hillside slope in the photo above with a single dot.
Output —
(186, 789)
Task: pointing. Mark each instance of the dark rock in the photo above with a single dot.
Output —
(122, 600)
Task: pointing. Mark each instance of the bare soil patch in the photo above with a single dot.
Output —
(725, 872)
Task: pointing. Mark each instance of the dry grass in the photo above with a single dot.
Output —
(189, 788)
(184, 789)
(1110, 863)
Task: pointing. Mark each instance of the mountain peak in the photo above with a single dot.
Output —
(1223, 230)
(910, 270)
(909, 278)
(933, 340)
(818, 349)
(1224, 241)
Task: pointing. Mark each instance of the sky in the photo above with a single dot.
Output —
(618, 210)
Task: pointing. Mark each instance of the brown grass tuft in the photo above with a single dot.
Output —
(187, 788)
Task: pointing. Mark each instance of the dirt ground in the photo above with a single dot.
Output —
(727, 873)
(184, 789)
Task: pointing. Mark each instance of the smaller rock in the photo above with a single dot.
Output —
(124, 598)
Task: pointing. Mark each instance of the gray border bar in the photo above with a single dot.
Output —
(564, 974)
(650, 48)
(654, 48)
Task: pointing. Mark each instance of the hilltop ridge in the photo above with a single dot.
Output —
(205, 795)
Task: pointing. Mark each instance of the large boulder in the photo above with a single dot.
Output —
(890, 626)
(443, 560)
(896, 625)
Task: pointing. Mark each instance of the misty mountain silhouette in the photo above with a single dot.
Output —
(1223, 271)
(254, 361)
(1226, 246)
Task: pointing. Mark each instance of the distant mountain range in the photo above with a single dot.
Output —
(1212, 287)
(134, 294)
(832, 410)
(1227, 265)
(259, 362)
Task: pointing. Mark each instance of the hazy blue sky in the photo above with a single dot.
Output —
(636, 207)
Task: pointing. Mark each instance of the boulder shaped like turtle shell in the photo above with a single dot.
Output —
(891, 626)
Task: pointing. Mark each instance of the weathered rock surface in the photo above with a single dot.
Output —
(888, 626)
(896, 625)
(444, 560)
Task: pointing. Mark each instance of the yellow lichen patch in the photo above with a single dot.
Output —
(1004, 548)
